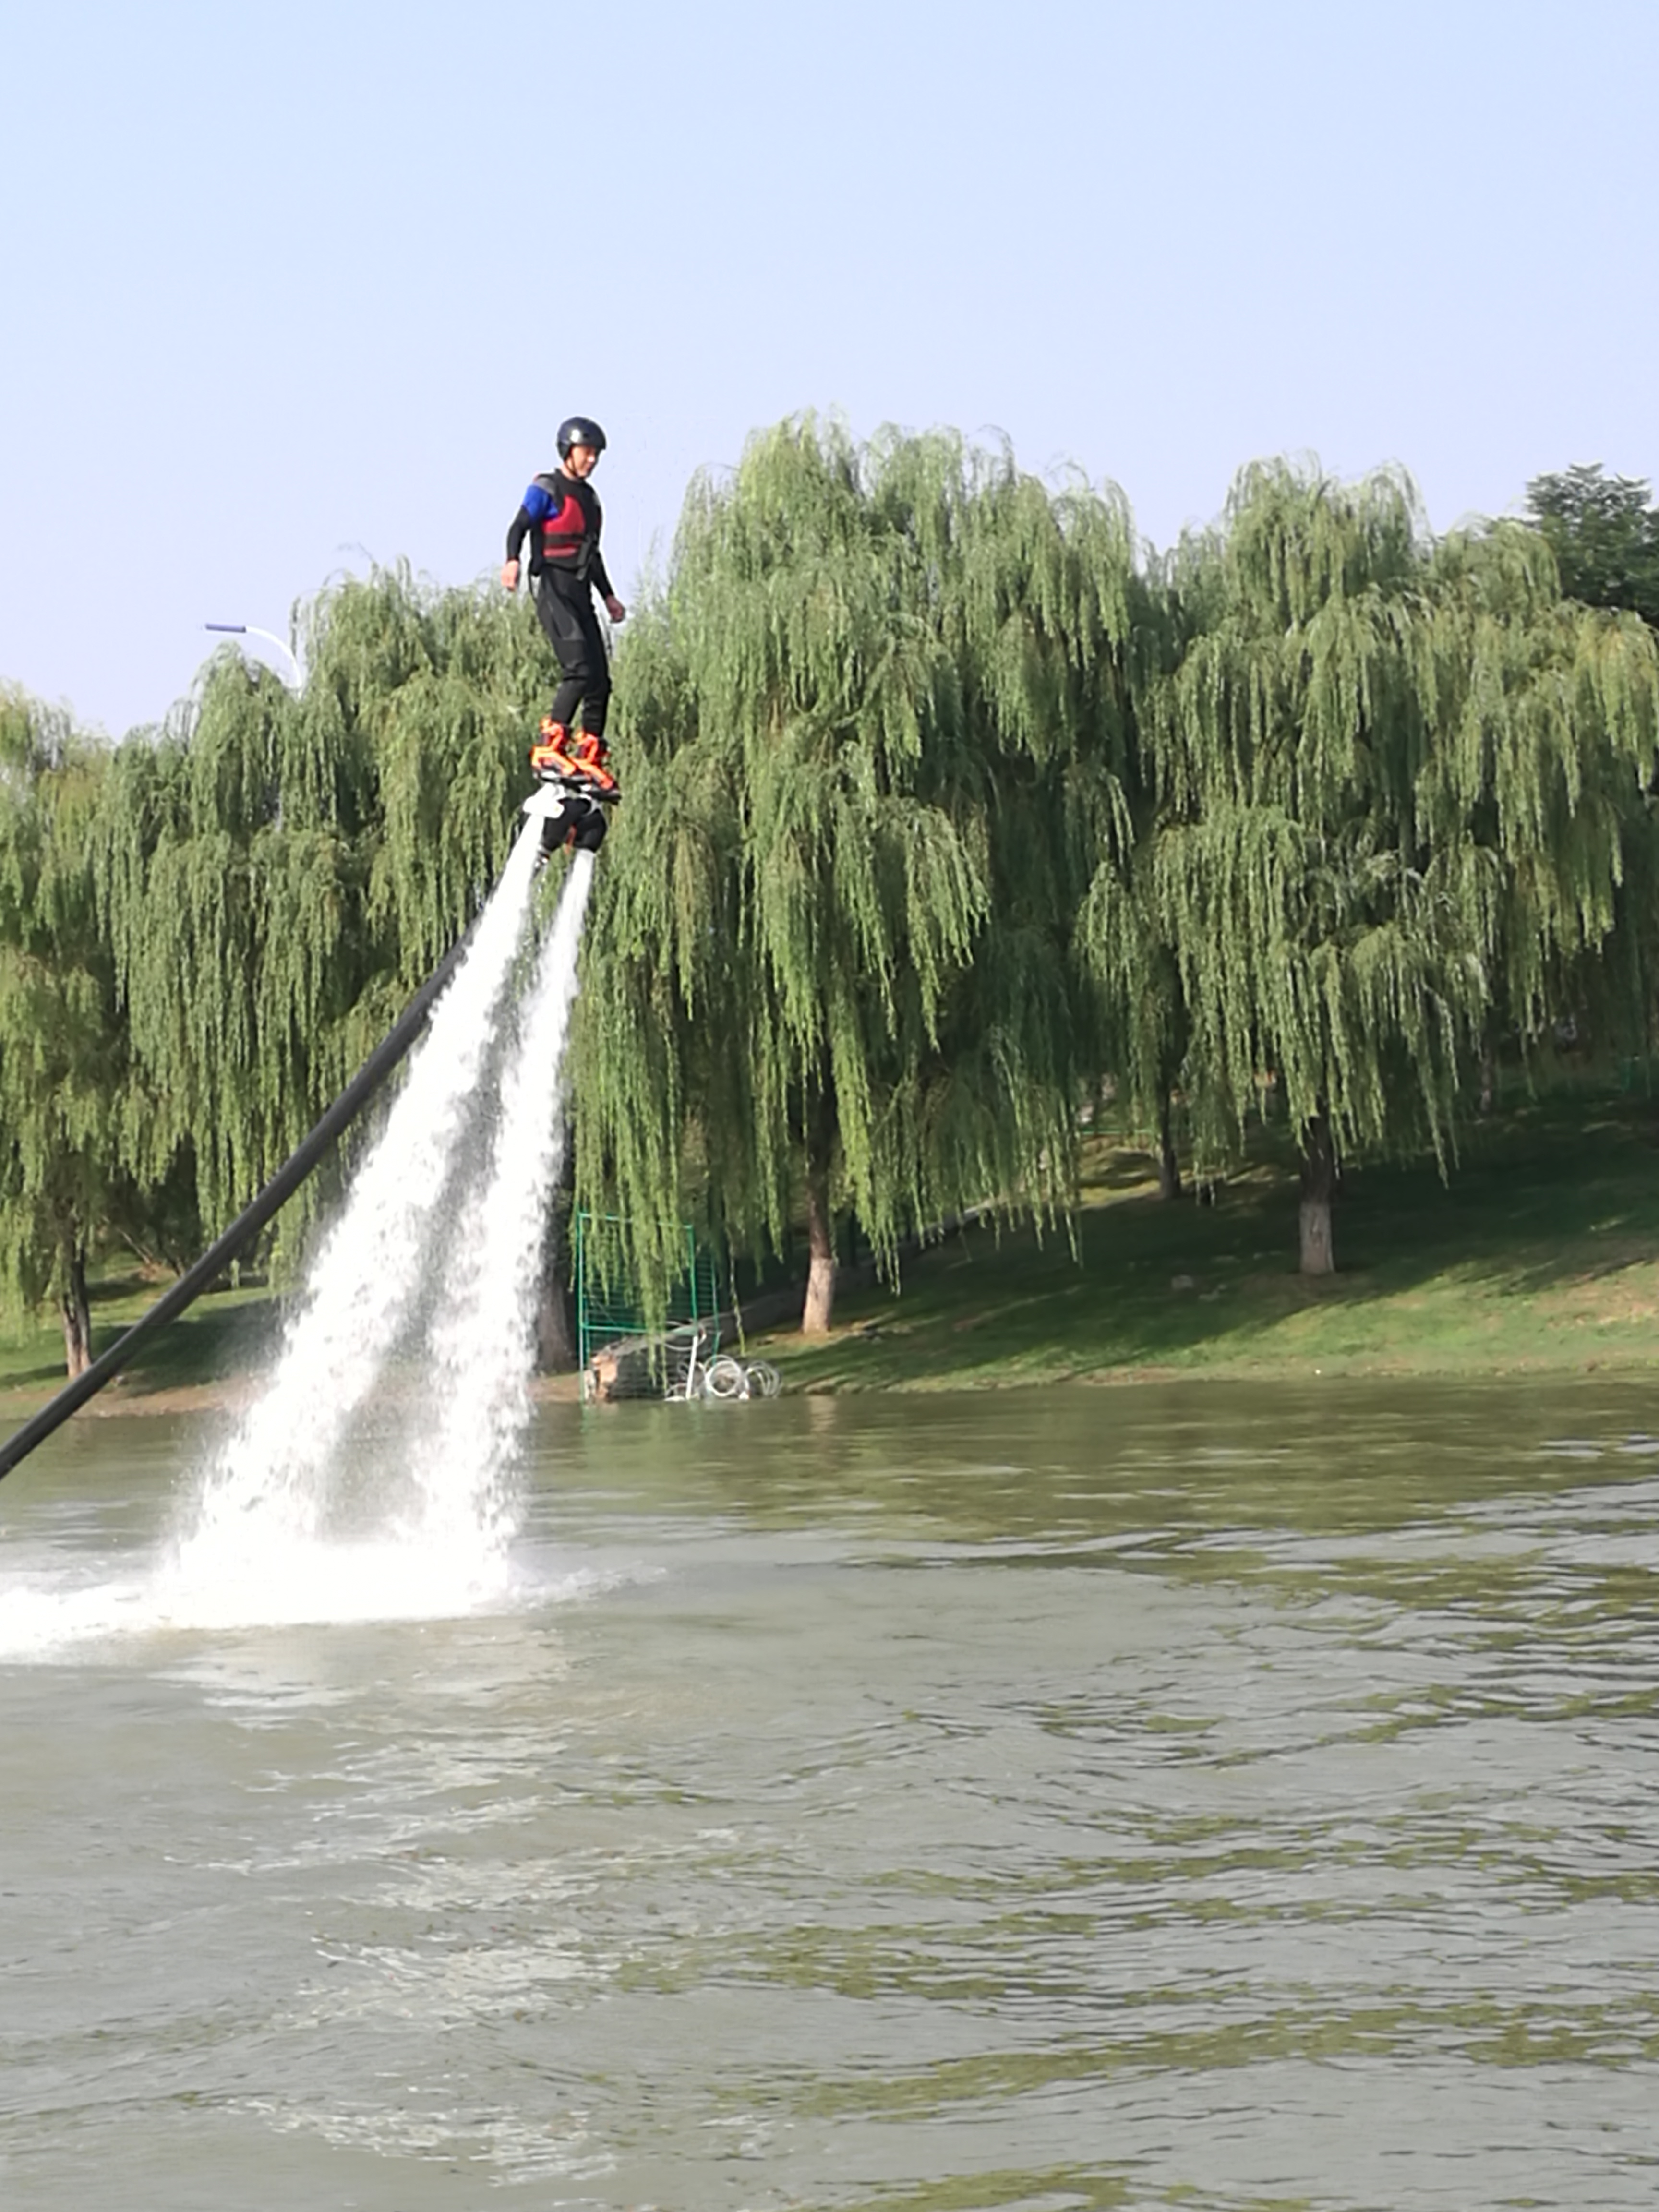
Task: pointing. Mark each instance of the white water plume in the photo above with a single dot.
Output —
(419, 1302)
(270, 1482)
(480, 1345)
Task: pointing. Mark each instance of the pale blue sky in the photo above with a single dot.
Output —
(287, 288)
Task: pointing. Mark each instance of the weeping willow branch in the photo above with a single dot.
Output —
(874, 725)
(1392, 794)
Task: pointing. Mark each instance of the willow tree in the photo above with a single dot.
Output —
(1533, 803)
(1391, 787)
(277, 874)
(72, 1119)
(870, 725)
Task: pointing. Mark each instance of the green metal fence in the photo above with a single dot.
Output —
(608, 1310)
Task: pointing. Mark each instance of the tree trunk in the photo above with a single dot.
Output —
(1168, 1160)
(73, 1305)
(1488, 1079)
(556, 1318)
(555, 1327)
(1318, 1190)
(821, 1255)
(818, 1131)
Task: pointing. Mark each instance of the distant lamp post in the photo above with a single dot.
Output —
(248, 630)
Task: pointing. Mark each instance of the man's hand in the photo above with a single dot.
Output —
(615, 609)
(510, 576)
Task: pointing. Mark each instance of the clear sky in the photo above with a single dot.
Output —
(286, 288)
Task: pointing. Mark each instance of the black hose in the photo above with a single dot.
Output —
(247, 1225)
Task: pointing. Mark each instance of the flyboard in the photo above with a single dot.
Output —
(571, 809)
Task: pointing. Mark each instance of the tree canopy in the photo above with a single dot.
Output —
(78, 1125)
(946, 806)
(277, 874)
(874, 721)
(1604, 533)
(1390, 790)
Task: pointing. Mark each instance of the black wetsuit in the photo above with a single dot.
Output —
(562, 517)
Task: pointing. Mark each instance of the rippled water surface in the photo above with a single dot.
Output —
(1199, 1797)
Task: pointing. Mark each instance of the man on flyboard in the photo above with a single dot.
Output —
(562, 518)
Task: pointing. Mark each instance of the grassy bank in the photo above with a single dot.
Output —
(1541, 1255)
(202, 1353)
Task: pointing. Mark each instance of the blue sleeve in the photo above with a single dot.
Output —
(538, 503)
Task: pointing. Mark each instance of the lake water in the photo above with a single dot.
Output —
(1202, 1796)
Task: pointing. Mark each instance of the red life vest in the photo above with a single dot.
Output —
(569, 531)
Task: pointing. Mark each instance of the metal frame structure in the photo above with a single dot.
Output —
(609, 1315)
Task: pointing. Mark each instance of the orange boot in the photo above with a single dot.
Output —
(590, 755)
(550, 755)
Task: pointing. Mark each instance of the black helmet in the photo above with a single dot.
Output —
(580, 430)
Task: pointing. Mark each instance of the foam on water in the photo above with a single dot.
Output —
(362, 1486)
(59, 1610)
(300, 1582)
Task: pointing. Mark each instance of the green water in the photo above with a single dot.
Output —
(1197, 1797)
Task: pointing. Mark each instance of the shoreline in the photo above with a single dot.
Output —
(1537, 1259)
(230, 1394)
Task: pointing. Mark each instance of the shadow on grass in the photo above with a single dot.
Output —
(45, 1376)
(222, 1336)
(1554, 1197)
(1550, 1204)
